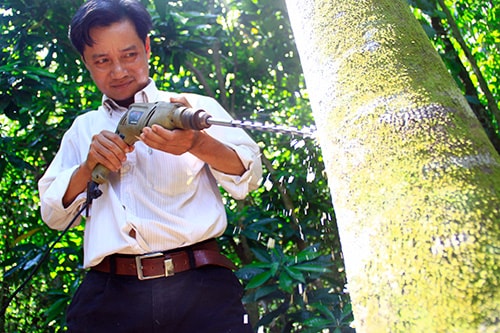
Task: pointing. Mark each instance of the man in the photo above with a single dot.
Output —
(149, 242)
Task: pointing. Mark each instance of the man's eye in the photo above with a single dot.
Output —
(130, 55)
(101, 61)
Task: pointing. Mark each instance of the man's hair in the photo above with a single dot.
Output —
(103, 13)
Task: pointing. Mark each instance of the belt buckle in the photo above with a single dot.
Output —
(167, 264)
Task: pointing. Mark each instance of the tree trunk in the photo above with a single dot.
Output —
(414, 179)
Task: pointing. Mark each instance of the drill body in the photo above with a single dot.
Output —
(140, 115)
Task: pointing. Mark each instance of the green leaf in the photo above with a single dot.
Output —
(312, 268)
(33, 262)
(317, 322)
(346, 313)
(295, 274)
(56, 309)
(265, 291)
(274, 268)
(261, 254)
(259, 280)
(324, 310)
(25, 236)
(286, 282)
(307, 254)
(265, 265)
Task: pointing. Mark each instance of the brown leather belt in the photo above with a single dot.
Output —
(163, 264)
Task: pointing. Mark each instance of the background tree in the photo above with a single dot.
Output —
(414, 179)
(284, 236)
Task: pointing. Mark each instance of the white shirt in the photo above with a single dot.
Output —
(170, 201)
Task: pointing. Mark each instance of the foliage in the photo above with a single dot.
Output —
(279, 281)
(283, 236)
(466, 34)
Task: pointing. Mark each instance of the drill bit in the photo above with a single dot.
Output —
(294, 131)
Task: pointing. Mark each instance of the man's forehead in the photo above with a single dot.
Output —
(96, 52)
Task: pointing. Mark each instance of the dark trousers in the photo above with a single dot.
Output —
(206, 300)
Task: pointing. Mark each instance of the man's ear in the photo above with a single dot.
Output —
(147, 46)
(84, 62)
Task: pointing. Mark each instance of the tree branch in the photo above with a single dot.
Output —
(287, 201)
(219, 75)
(464, 76)
(199, 75)
(493, 107)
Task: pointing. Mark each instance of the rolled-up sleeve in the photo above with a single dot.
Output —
(54, 183)
(52, 188)
(236, 138)
(239, 186)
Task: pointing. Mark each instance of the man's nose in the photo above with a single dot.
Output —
(118, 70)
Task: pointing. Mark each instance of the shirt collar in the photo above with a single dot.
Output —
(146, 95)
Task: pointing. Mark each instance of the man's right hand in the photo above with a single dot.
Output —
(106, 148)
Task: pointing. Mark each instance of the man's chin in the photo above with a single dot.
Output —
(125, 102)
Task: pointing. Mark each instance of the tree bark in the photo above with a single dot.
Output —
(415, 181)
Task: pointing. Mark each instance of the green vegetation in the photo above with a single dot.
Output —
(284, 236)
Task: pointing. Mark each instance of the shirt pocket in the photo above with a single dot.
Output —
(170, 174)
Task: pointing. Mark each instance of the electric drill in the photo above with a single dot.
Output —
(140, 115)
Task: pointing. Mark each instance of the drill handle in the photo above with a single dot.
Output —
(100, 174)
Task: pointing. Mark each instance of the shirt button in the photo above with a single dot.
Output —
(125, 168)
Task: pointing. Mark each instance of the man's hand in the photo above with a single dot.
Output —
(108, 149)
(198, 143)
(177, 141)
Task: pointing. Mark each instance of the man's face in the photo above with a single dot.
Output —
(118, 60)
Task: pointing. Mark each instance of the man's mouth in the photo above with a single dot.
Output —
(121, 85)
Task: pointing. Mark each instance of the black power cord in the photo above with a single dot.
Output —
(93, 192)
